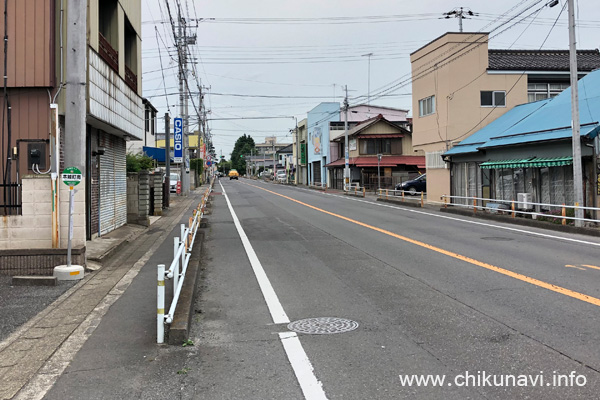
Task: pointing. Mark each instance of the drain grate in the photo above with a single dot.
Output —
(323, 325)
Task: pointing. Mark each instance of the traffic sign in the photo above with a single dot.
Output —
(71, 176)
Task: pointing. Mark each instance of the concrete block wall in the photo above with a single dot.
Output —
(33, 228)
(144, 193)
(158, 194)
(133, 203)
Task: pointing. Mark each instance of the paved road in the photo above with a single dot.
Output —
(432, 294)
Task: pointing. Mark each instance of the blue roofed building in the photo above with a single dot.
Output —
(528, 150)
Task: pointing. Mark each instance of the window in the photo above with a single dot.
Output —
(493, 98)
(107, 21)
(541, 91)
(380, 146)
(427, 106)
(434, 160)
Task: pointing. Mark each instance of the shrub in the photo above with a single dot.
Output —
(139, 162)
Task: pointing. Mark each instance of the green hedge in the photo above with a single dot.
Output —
(197, 164)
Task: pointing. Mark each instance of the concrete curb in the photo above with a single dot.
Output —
(409, 203)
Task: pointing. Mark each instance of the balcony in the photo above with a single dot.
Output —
(131, 79)
(108, 54)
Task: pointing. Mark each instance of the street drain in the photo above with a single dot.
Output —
(323, 325)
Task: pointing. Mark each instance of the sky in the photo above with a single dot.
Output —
(264, 64)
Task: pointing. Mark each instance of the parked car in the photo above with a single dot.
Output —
(414, 186)
(266, 175)
(233, 174)
(281, 176)
(173, 179)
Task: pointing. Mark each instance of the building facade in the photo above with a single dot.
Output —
(366, 140)
(105, 55)
(527, 153)
(459, 86)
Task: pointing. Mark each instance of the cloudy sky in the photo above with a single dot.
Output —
(278, 59)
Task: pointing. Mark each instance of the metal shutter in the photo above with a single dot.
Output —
(113, 185)
(107, 189)
(316, 171)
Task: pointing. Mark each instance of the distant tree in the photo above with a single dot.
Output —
(243, 146)
(224, 166)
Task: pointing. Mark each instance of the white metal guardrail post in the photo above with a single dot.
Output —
(182, 252)
(160, 305)
(175, 271)
(182, 243)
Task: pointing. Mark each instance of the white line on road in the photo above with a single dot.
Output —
(310, 385)
(545, 235)
(302, 366)
(277, 313)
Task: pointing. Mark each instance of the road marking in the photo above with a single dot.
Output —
(573, 266)
(590, 266)
(302, 366)
(411, 210)
(277, 313)
(303, 369)
(558, 289)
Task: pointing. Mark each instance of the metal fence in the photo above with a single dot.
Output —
(557, 213)
(403, 195)
(10, 199)
(182, 249)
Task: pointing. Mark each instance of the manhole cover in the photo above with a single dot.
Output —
(497, 239)
(323, 325)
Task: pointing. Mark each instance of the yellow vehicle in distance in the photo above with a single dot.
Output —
(233, 174)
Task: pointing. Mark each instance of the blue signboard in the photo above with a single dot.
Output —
(178, 141)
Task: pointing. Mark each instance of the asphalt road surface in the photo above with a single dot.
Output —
(495, 310)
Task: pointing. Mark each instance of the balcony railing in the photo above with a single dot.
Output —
(108, 54)
(131, 79)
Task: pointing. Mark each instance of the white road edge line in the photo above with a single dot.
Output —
(302, 366)
(303, 369)
(544, 235)
(277, 313)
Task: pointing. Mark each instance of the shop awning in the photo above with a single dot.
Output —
(381, 136)
(386, 161)
(528, 163)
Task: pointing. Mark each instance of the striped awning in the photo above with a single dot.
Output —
(528, 163)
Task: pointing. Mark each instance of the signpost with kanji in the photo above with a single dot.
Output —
(71, 176)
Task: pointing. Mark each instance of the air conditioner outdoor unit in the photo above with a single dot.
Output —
(524, 201)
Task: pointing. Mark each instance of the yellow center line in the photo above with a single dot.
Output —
(558, 289)
(590, 266)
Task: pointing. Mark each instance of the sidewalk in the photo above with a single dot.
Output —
(34, 356)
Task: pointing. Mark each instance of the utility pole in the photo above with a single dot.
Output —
(346, 149)
(296, 174)
(460, 14)
(182, 41)
(577, 173)
(167, 194)
(74, 152)
(368, 83)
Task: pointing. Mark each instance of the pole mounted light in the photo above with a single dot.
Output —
(379, 171)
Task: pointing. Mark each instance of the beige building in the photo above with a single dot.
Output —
(39, 61)
(459, 86)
